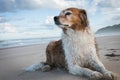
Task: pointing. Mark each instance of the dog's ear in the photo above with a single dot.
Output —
(83, 17)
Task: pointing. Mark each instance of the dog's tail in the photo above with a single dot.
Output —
(40, 66)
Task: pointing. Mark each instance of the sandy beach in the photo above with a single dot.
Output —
(13, 61)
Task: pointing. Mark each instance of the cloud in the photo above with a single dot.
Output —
(111, 10)
(113, 18)
(11, 5)
(95, 8)
(2, 19)
(109, 4)
(49, 20)
(91, 5)
(28, 4)
(6, 27)
(54, 4)
(7, 5)
(116, 17)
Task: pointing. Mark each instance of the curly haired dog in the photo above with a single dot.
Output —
(76, 51)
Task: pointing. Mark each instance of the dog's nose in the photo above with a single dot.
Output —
(55, 18)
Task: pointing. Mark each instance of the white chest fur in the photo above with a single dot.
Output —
(79, 47)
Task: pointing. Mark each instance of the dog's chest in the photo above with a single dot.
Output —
(77, 46)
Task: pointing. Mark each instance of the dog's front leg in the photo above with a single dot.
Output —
(98, 66)
(77, 70)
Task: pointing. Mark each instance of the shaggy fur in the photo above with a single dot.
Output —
(76, 51)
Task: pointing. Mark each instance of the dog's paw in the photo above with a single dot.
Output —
(46, 68)
(35, 67)
(96, 76)
(109, 76)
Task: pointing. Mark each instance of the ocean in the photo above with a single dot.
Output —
(15, 39)
(24, 42)
(8, 43)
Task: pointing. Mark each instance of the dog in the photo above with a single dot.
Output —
(76, 51)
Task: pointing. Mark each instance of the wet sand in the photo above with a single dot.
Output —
(13, 61)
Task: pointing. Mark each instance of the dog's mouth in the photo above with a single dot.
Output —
(59, 24)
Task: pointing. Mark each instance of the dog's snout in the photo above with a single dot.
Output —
(55, 18)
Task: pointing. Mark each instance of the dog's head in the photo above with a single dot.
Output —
(72, 18)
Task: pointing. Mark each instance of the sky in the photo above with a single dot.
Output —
(36, 16)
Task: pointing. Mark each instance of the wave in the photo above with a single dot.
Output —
(25, 42)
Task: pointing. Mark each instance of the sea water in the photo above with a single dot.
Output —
(25, 42)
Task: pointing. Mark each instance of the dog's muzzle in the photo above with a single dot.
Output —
(56, 20)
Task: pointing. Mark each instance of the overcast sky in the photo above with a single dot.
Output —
(16, 14)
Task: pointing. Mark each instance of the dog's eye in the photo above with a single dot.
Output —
(68, 13)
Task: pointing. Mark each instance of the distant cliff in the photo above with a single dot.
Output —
(115, 29)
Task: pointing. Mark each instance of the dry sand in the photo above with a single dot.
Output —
(14, 60)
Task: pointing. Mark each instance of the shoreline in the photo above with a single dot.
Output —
(25, 42)
(25, 45)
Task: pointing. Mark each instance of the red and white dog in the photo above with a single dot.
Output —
(77, 50)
